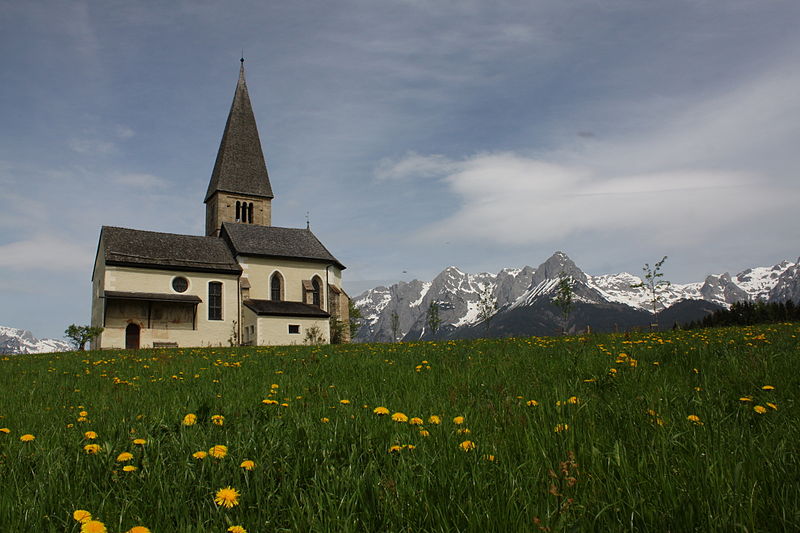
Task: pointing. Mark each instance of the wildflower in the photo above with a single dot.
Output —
(532, 403)
(218, 451)
(129, 468)
(463, 431)
(269, 402)
(5, 430)
(227, 497)
(573, 400)
(83, 413)
(247, 464)
(745, 399)
(424, 433)
(488, 457)
(394, 448)
(344, 402)
(767, 387)
(458, 420)
(92, 449)
(399, 417)
(760, 409)
(190, 419)
(82, 516)
(324, 419)
(434, 419)
(91, 435)
(138, 529)
(93, 526)
(561, 427)
(124, 456)
(695, 419)
(467, 445)
(139, 442)
(218, 420)
(416, 421)
(82, 419)
(199, 455)
(772, 405)
(380, 411)
(237, 529)
(27, 437)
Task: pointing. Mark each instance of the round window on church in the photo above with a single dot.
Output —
(180, 284)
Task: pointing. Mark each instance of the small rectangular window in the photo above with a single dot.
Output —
(215, 300)
(294, 329)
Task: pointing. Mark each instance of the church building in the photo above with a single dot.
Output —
(246, 282)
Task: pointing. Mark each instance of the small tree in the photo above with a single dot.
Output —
(563, 298)
(355, 317)
(487, 305)
(433, 317)
(395, 325)
(651, 282)
(80, 335)
(314, 335)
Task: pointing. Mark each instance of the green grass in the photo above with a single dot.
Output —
(630, 459)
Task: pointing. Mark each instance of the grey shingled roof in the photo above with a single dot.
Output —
(123, 246)
(271, 241)
(273, 308)
(153, 297)
(240, 166)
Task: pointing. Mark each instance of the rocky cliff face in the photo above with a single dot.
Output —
(20, 341)
(524, 300)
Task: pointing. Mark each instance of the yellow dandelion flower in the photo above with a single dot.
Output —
(424, 433)
(200, 455)
(416, 421)
(767, 387)
(344, 402)
(324, 419)
(218, 451)
(458, 420)
(218, 420)
(380, 411)
(399, 417)
(274, 386)
(247, 464)
(81, 516)
(695, 419)
(488, 457)
(745, 399)
(82, 419)
(561, 427)
(227, 497)
(463, 431)
(395, 448)
(92, 449)
(139, 442)
(772, 406)
(5, 430)
(573, 400)
(532, 403)
(467, 445)
(93, 526)
(190, 419)
(269, 402)
(434, 419)
(83, 413)
(138, 529)
(27, 437)
(124, 456)
(129, 468)
(237, 529)
(91, 435)
(760, 409)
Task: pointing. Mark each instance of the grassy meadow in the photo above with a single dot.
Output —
(670, 431)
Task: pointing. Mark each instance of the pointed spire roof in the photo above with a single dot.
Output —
(240, 167)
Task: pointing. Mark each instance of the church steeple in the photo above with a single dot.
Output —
(239, 189)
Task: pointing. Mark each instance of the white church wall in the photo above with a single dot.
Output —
(274, 330)
(259, 271)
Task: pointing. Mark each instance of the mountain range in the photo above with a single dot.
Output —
(20, 341)
(523, 299)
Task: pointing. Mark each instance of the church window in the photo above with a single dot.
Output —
(180, 284)
(215, 300)
(294, 329)
(315, 293)
(250, 213)
(275, 287)
(238, 211)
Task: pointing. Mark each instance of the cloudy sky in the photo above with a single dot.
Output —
(418, 134)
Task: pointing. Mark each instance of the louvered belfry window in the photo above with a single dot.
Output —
(215, 300)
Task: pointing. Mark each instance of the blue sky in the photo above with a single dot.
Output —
(419, 134)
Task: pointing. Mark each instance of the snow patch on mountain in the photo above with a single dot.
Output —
(21, 341)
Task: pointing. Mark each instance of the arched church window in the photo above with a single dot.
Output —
(238, 211)
(250, 213)
(315, 293)
(275, 287)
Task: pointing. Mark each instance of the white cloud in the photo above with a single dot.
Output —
(414, 166)
(44, 252)
(92, 146)
(134, 179)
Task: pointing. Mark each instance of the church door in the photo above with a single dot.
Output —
(132, 337)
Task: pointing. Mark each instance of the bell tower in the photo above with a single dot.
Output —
(239, 189)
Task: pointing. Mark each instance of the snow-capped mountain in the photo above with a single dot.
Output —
(523, 300)
(20, 341)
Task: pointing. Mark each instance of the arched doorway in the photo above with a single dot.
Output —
(132, 337)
